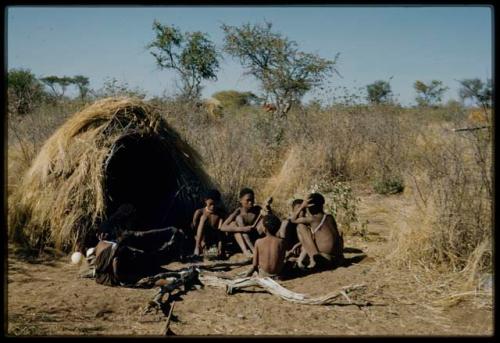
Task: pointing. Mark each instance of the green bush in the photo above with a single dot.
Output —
(389, 185)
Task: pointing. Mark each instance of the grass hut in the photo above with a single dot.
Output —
(118, 150)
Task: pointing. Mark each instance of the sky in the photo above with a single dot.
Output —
(375, 43)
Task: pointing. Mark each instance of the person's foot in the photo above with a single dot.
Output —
(247, 253)
(312, 263)
(300, 265)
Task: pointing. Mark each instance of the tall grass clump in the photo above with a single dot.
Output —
(26, 134)
(452, 177)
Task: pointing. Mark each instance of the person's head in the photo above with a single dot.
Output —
(316, 202)
(211, 199)
(295, 206)
(247, 198)
(271, 224)
(122, 219)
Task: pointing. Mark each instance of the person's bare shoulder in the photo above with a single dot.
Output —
(260, 241)
(331, 219)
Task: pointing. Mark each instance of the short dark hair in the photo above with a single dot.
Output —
(271, 223)
(296, 202)
(246, 191)
(212, 194)
(317, 201)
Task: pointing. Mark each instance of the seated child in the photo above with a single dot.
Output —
(207, 222)
(243, 222)
(317, 232)
(269, 252)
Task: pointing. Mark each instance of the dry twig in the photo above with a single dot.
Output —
(275, 288)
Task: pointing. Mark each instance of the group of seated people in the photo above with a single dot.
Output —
(307, 235)
(307, 238)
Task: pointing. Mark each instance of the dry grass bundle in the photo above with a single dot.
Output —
(451, 231)
(115, 151)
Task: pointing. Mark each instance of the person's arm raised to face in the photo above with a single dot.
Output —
(296, 219)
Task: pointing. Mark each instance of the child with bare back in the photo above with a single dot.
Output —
(243, 222)
(269, 252)
(207, 222)
(317, 232)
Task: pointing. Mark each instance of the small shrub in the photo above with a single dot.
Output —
(392, 185)
(341, 203)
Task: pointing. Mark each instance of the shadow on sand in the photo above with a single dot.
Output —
(323, 264)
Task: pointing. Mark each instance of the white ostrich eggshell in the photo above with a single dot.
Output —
(76, 257)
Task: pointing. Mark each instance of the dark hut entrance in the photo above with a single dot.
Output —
(140, 171)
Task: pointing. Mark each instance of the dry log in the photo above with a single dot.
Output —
(275, 288)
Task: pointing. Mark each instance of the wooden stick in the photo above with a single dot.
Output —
(167, 331)
(276, 289)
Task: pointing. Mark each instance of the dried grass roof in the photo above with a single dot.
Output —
(61, 198)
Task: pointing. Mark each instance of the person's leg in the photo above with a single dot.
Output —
(149, 240)
(308, 245)
(220, 244)
(248, 241)
(241, 243)
(199, 240)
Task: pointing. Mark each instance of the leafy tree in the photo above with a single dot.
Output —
(379, 92)
(191, 54)
(57, 85)
(24, 90)
(429, 94)
(285, 73)
(82, 83)
(477, 91)
(114, 88)
(232, 98)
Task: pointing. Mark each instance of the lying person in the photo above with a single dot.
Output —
(207, 222)
(123, 257)
(269, 252)
(317, 232)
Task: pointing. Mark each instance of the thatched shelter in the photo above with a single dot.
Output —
(118, 150)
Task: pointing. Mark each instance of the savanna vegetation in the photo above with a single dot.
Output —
(365, 141)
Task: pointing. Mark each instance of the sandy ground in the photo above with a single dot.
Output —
(46, 297)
